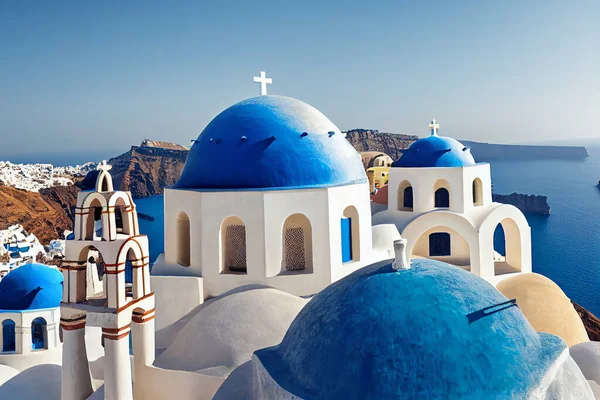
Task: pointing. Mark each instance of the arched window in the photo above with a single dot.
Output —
(508, 257)
(183, 240)
(233, 242)
(477, 192)
(129, 267)
(297, 244)
(439, 244)
(94, 220)
(8, 335)
(405, 196)
(442, 198)
(38, 334)
(350, 230)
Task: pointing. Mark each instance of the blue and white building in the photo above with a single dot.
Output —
(440, 200)
(272, 193)
(30, 299)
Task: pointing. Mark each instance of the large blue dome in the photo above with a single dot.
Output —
(433, 331)
(31, 287)
(271, 142)
(435, 151)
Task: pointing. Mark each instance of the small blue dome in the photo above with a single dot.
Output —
(435, 151)
(433, 331)
(31, 287)
(271, 142)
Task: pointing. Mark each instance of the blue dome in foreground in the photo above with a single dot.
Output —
(423, 333)
(31, 287)
(435, 151)
(271, 142)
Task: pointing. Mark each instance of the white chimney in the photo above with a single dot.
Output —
(400, 262)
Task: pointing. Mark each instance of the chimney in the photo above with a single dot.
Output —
(400, 262)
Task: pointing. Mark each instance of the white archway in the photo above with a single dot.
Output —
(464, 238)
(517, 234)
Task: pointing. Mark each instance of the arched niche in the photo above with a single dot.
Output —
(297, 245)
(477, 188)
(233, 246)
(405, 196)
(183, 238)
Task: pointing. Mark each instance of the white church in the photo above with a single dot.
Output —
(440, 200)
(272, 208)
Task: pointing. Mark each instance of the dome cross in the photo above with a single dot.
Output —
(263, 80)
(433, 127)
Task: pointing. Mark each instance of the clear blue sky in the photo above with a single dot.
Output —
(109, 74)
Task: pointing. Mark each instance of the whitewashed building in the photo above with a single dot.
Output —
(440, 200)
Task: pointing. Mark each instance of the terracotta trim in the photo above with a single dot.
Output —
(142, 320)
(73, 324)
(135, 301)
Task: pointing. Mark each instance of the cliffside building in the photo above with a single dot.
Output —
(440, 200)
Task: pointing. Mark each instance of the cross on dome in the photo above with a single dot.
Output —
(103, 166)
(433, 127)
(263, 80)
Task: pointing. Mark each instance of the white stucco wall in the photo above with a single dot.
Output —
(264, 214)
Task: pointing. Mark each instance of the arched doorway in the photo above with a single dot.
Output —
(405, 196)
(297, 244)
(233, 242)
(8, 335)
(183, 240)
(507, 248)
(38, 334)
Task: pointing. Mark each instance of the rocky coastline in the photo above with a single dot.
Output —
(528, 204)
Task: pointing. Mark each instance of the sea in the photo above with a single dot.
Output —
(565, 245)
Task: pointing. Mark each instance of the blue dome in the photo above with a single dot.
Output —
(31, 287)
(271, 142)
(435, 151)
(423, 333)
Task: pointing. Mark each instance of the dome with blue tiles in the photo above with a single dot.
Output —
(31, 287)
(435, 151)
(270, 142)
(431, 331)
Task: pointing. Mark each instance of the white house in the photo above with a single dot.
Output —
(440, 200)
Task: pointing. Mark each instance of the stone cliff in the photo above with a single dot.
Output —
(373, 140)
(146, 170)
(47, 213)
(528, 204)
(590, 321)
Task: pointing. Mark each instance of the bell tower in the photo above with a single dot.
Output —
(106, 225)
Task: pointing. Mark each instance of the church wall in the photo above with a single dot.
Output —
(176, 202)
(423, 181)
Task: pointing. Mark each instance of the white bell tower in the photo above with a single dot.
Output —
(106, 223)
